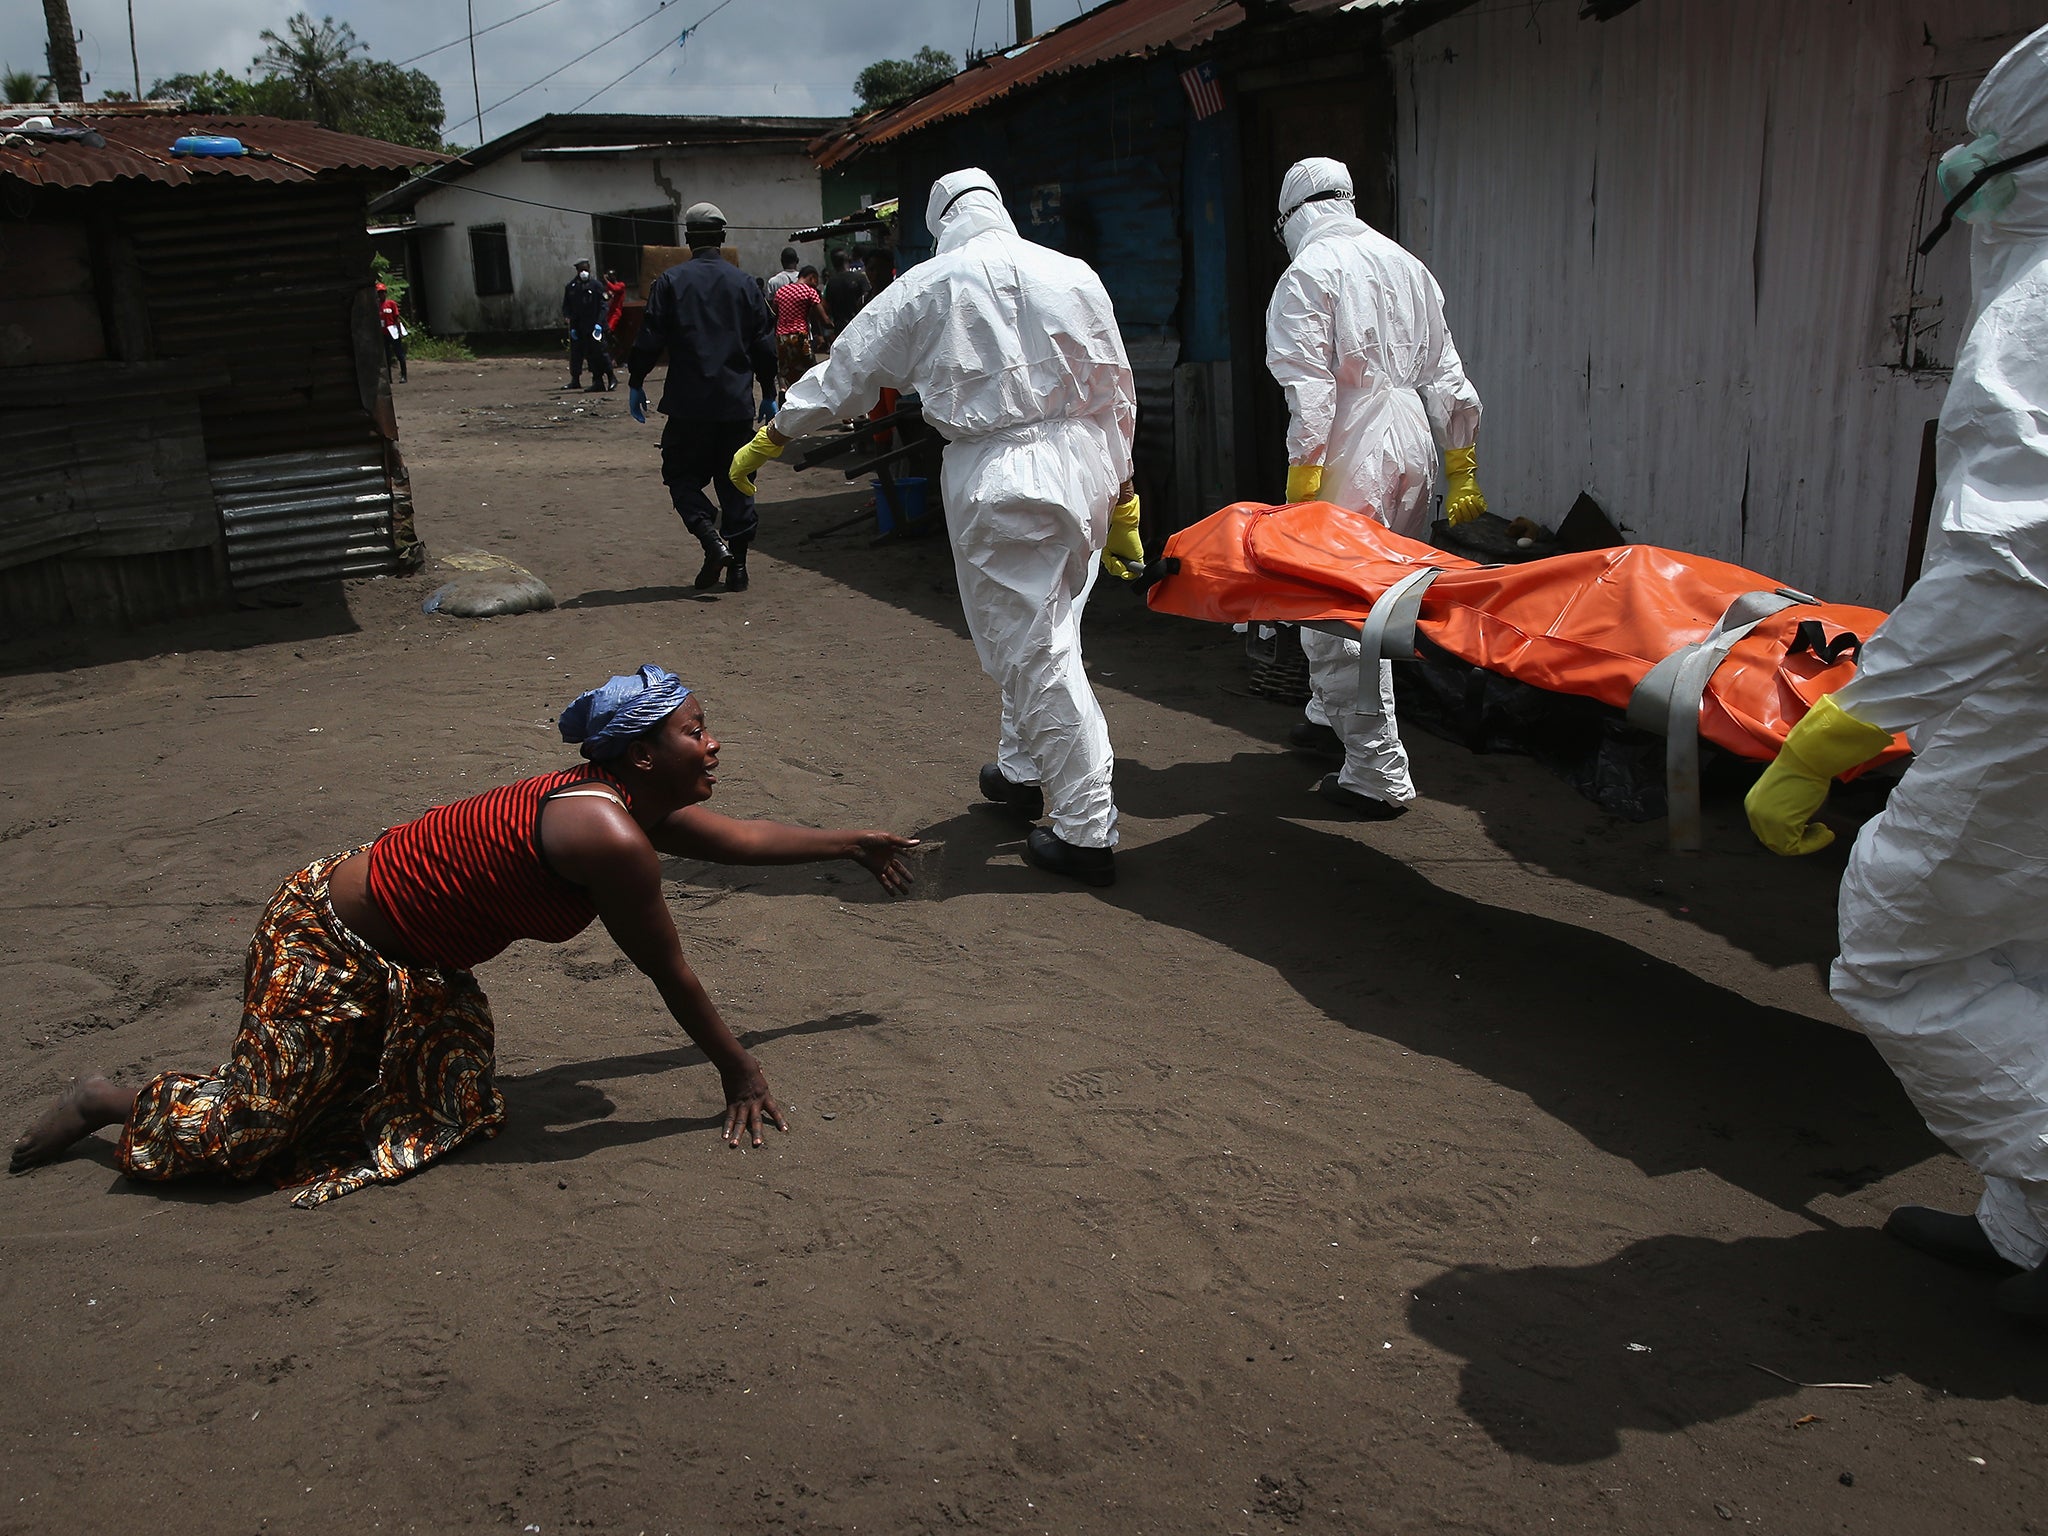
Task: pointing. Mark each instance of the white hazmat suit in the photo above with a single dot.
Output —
(1355, 335)
(1015, 353)
(1944, 909)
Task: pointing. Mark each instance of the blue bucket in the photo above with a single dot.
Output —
(909, 506)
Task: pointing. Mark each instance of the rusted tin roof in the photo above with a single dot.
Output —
(138, 147)
(1121, 30)
(1127, 29)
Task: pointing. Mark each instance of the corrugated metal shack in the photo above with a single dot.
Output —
(192, 392)
(1677, 247)
(1675, 237)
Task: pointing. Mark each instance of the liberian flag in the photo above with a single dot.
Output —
(1204, 94)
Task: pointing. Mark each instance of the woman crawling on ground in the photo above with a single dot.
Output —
(366, 1046)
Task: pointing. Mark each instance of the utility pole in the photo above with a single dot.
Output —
(476, 91)
(133, 57)
(1023, 19)
(65, 74)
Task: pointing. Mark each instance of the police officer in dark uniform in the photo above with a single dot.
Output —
(709, 317)
(584, 302)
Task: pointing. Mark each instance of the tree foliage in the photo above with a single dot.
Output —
(888, 81)
(313, 72)
(21, 86)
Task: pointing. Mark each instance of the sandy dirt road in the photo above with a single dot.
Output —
(1457, 1174)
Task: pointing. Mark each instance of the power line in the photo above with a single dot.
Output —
(586, 53)
(681, 39)
(471, 37)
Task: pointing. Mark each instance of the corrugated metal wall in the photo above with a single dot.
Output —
(259, 283)
(264, 289)
(1676, 250)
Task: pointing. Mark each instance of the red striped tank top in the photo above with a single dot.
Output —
(465, 880)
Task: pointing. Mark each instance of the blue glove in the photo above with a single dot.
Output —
(636, 404)
(767, 411)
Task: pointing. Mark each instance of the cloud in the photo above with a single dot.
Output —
(786, 58)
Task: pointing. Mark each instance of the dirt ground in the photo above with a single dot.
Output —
(1492, 1170)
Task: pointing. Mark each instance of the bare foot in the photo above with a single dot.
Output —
(88, 1104)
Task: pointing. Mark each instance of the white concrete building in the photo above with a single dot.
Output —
(491, 239)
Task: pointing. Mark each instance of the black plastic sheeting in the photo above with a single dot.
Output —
(1589, 744)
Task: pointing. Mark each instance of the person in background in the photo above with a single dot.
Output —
(786, 275)
(1356, 337)
(846, 290)
(1944, 905)
(394, 331)
(1015, 353)
(584, 303)
(366, 1048)
(706, 316)
(615, 306)
(797, 304)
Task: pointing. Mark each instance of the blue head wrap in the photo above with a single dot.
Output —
(605, 720)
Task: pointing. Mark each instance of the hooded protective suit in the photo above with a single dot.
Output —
(1015, 353)
(1355, 335)
(1944, 909)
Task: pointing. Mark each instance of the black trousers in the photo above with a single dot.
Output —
(582, 347)
(694, 453)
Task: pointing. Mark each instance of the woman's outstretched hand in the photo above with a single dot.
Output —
(749, 1106)
(881, 855)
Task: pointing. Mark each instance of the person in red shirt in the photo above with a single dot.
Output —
(796, 304)
(365, 1050)
(615, 293)
(394, 331)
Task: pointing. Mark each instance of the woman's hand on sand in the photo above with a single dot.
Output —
(881, 855)
(749, 1106)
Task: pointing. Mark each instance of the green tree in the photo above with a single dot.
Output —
(23, 85)
(887, 81)
(220, 93)
(382, 101)
(311, 73)
(312, 56)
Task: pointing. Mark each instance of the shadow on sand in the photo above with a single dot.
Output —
(559, 1113)
(1779, 910)
(1675, 1331)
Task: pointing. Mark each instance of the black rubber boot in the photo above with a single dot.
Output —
(1027, 800)
(1056, 856)
(1951, 1238)
(736, 573)
(717, 556)
(1368, 806)
(1316, 740)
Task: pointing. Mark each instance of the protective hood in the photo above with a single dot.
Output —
(964, 204)
(2012, 106)
(1314, 192)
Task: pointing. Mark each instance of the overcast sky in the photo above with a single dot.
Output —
(792, 58)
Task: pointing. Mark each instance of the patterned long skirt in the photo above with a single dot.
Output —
(348, 1070)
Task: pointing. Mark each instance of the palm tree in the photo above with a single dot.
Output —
(23, 85)
(310, 55)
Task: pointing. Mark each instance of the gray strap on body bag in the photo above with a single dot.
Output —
(1668, 701)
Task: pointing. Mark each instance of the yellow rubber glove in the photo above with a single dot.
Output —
(1304, 482)
(1124, 555)
(1782, 803)
(1463, 500)
(750, 458)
